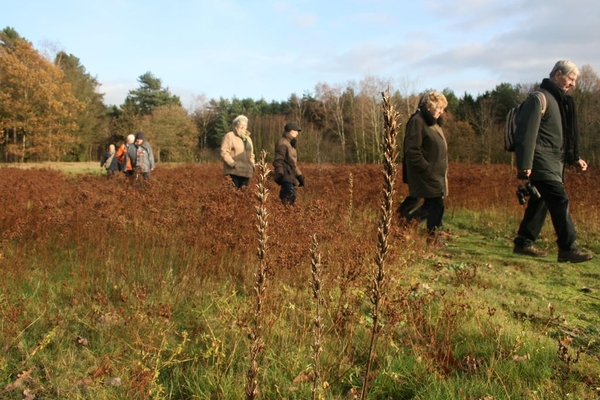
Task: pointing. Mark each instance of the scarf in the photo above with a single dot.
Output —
(290, 138)
(566, 105)
(244, 136)
(429, 119)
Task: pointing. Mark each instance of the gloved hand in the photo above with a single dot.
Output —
(279, 180)
(523, 174)
(300, 179)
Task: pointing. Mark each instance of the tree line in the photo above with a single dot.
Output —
(51, 110)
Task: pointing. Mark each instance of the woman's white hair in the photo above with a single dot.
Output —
(240, 119)
(564, 66)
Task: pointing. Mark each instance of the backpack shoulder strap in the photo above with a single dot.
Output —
(542, 97)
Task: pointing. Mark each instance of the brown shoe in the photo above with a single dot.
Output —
(436, 242)
(574, 256)
(529, 251)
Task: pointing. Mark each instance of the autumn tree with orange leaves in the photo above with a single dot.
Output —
(37, 107)
(36, 104)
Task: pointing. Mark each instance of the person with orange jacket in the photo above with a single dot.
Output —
(126, 154)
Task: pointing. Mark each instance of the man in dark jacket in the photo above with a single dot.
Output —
(285, 163)
(544, 144)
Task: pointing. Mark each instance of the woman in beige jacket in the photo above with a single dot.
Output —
(237, 153)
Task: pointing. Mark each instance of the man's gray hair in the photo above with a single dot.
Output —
(564, 66)
(240, 119)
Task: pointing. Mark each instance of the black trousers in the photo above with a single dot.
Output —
(554, 200)
(287, 193)
(432, 209)
(239, 181)
(407, 208)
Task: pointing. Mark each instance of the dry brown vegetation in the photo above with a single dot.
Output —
(148, 258)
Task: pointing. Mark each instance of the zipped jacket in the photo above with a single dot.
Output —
(539, 144)
(286, 160)
(237, 156)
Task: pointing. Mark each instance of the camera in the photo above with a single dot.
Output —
(525, 191)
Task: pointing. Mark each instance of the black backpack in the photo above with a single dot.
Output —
(511, 121)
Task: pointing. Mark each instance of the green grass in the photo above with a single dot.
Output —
(534, 283)
(75, 168)
(149, 324)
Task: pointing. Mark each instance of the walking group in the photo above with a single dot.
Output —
(545, 142)
(135, 158)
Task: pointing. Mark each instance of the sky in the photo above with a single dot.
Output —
(271, 49)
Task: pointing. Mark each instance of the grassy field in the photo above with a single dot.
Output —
(183, 288)
(68, 167)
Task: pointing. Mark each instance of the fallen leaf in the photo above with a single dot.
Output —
(21, 378)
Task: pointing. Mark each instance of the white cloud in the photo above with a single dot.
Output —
(115, 92)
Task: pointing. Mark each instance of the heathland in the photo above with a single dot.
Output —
(112, 290)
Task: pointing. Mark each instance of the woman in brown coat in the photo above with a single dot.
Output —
(426, 163)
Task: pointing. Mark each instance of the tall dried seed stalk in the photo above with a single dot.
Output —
(390, 153)
(315, 265)
(260, 284)
(351, 197)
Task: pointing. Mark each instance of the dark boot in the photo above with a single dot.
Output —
(529, 251)
(574, 256)
(435, 239)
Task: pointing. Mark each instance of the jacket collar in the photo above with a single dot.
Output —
(429, 119)
(288, 136)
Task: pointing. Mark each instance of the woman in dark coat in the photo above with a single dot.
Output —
(425, 164)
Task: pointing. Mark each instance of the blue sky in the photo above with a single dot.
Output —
(272, 48)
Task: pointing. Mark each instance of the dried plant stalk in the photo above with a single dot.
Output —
(260, 284)
(351, 197)
(377, 292)
(315, 265)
